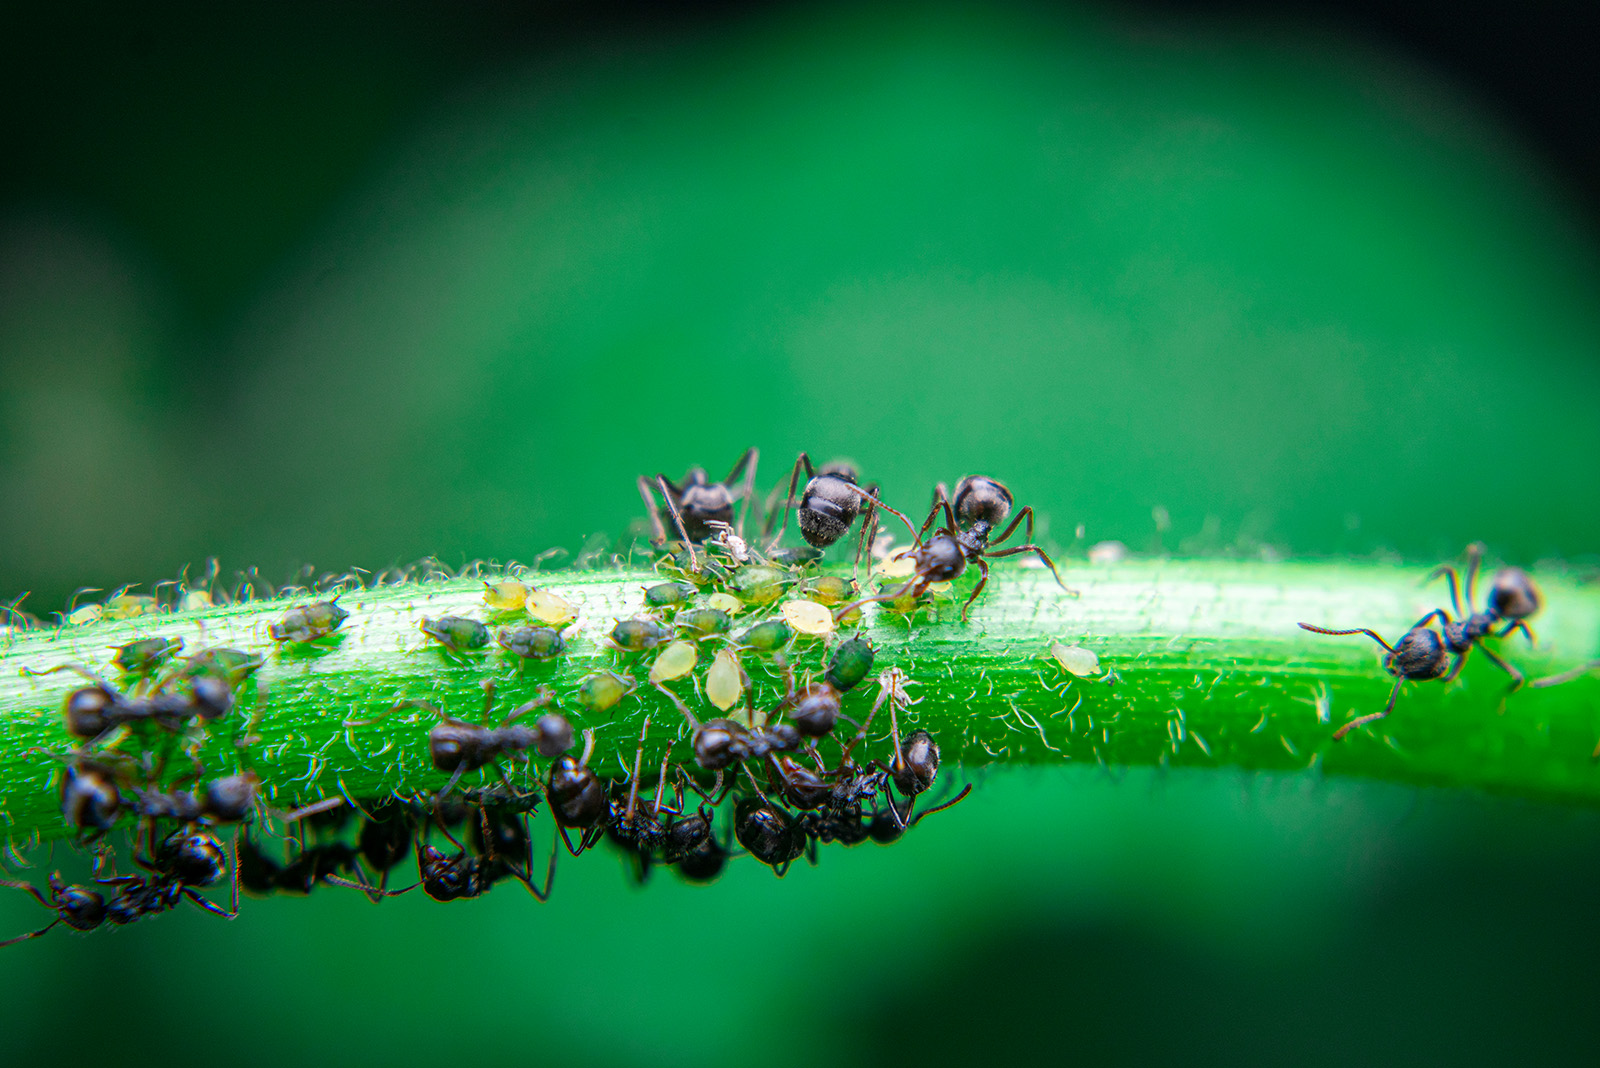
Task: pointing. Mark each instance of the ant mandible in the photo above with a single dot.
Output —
(981, 504)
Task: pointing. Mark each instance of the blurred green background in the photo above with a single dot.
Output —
(348, 285)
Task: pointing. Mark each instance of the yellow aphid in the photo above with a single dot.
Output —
(548, 609)
(89, 613)
(940, 588)
(129, 606)
(808, 617)
(1076, 659)
(898, 567)
(725, 680)
(196, 601)
(675, 661)
(507, 595)
(725, 602)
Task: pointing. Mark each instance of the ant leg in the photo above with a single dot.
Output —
(672, 506)
(1359, 630)
(789, 502)
(694, 723)
(1565, 676)
(983, 580)
(549, 875)
(892, 595)
(638, 762)
(36, 896)
(1361, 720)
(941, 496)
(1051, 564)
(1518, 679)
(870, 499)
(1027, 535)
(865, 540)
(940, 808)
(207, 904)
(653, 510)
(747, 463)
(31, 934)
(1455, 669)
(1455, 591)
(1438, 613)
(1516, 625)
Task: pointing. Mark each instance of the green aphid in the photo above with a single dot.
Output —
(637, 635)
(833, 589)
(704, 622)
(233, 666)
(532, 643)
(762, 585)
(794, 556)
(768, 637)
(456, 633)
(667, 594)
(601, 692)
(851, 663)
(146, 654)
(308, 622)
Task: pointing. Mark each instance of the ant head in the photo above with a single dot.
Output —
(89, 797)
(769, 835)
(941, 559)
(576, 795)
(704, 862)
(917, 764)
(194, 858)
(86, 710)
(718, 743)
(555, 734)
(80, 908)
(816, 710)
(1419, 655)
(981, 500)
(1513, 594)
(450, 742)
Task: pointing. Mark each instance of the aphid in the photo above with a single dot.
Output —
(91, 712)
(760, 585)
(145, 655)
(675, 661)
(832, 589)
(532, 643)
(130, 606)
(232, 666)
(702, 623)
(981, 504)
(768, 637)
(793, 555)
(852, 662)
(306, 623)
(1420, 655)
(725, 602)
(507, 595)
(550, 609)
(725, 680)
(669, 594)
(697, 502)
(829, 505)
(601, 691)
(456, 633)
(457, 746)
(1084, 663)
(637, 635)
(577, 797)
(809, 617)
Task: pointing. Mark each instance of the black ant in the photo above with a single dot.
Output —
(1420, 655)
(637, 826)
(721, 743)
(577, 797)
(981, 504)
(771, 835)
(458, 746)
(92, 712)
(829, 504)
(1512, 599)
(697, 503)
(913, 765)
(79, 907)
(469, 874)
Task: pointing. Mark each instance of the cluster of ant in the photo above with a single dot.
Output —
(765, 767)
(1437, 645)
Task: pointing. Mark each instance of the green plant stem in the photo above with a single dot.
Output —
(1201, 665)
